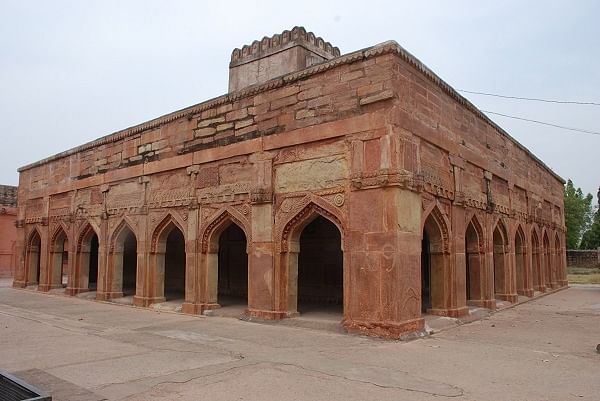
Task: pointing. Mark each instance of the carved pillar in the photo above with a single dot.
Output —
(457, 302)
(261, 300)
(383, 247)
(20, 251)
(143, 281)
(193, 294)
(102, 283)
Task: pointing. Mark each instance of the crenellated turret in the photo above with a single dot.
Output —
(278, 55)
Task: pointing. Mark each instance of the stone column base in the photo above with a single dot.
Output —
(483, 303)
(197, 308)
(563, 283)
(489, 304)
(106, 296)
(526, 292)
(19, 284)
(74, 291)
(389, 330)
(44, 287)
(269, 314)
(147, 301)
(540, 288)
(450, 312)
(512, 298)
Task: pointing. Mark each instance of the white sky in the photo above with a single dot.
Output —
(72, 71)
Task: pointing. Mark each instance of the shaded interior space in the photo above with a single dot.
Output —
(64, 275)
(232, 287)
(474, 261)
(536, 268)
(547, 262)
(33, 259)
(425, 274)
(321, 271)
(59, 259)
(93, 264)
(433, 260)
(175, 266)
(499, 261)
(556, 266)
(129, 264)
(520, 261)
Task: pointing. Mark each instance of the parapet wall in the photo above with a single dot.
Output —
(583, 258)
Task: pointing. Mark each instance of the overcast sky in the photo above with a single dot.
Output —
(72, 71)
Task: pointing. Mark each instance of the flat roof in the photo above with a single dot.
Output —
(389, 47)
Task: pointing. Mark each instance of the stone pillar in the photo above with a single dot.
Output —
(192, 262)
(145, 259)
(261, 258)
(43, 255)
(102, 283)
(457, 280)
(384, 255)
(20, 252)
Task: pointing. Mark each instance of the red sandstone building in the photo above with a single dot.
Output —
(8, 231)
(360, 180)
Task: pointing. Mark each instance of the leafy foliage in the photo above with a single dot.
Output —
(578, 214)
(591, 238)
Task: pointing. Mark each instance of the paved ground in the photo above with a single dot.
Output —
(84, 350)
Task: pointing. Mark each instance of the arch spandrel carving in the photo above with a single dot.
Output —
(301, 214)
(159, 228)
(88, 230)
(124, 224)
(443, 224)
(474, 221)
(219, 222)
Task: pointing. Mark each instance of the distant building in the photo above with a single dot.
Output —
(8, 231)
(360, 181)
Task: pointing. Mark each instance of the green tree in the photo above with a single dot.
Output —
(591, 237)
(578, 214)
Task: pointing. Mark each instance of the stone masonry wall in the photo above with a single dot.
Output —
(373, 141)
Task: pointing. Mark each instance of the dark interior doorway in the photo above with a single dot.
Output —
(93, 271)
(175, 265)
(233, 267)
(425, 273)
(129, 264)
(320, 267)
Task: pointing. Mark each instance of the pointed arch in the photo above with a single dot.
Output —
(521, 262)
(121, 274)
(85, 274)
(58, 256)
(547, 258)
(536, 259)
(31, 236)
(125, 225)
(59, 230)
(310, 209)
(475, 273)
(85, 234)
(435, 262)
(168, 271)
(33, 256)
(223, 219)
(162, 230)
(434, 214)
(501, 276)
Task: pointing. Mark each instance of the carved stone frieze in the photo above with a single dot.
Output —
(387, 178)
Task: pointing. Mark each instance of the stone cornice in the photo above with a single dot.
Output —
(390, 47)
(279, 42)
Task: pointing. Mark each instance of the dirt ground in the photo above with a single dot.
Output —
(83, 350)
